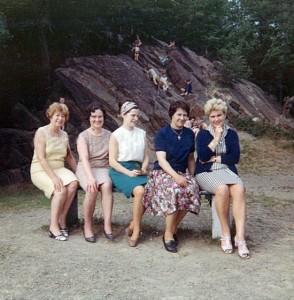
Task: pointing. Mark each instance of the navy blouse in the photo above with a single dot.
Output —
(177, 147)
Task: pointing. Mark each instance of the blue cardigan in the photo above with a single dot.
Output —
(204, 153)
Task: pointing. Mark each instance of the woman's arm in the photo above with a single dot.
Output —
(145, 162)
(113, 155)
(205, 151)
(70, 159)
(92, 185)
(40, 149)
(191, 163)
(232, 156)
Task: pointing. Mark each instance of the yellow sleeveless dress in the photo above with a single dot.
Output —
(56, 150)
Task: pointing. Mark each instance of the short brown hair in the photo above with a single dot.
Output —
(92, 108)
(178, 104)
(56, 106)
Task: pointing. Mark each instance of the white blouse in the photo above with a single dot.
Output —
(131, 144)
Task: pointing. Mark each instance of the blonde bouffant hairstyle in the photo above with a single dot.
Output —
(215, 104)
(56, 106)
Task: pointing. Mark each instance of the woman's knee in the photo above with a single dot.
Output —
(72, 186)
(106, 187)
(238, 190)
(222, 190)
(138, 191)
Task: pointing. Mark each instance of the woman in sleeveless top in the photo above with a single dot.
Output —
(128, 159)
(93, 172)
(48, 172)
(218, 151)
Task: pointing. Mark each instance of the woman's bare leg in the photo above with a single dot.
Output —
(57, 203)
(107, 205)
(71, 190)
(170, 223)
(138, 211)
(222, 204)
(89, 205)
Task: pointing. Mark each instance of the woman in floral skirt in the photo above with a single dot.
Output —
(172, 190)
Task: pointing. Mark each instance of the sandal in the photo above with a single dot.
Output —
(242, 249)
(227, 248)
(60, 237)
(64, 232)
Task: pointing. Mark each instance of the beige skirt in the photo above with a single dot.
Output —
(101, 175)
(43, 182)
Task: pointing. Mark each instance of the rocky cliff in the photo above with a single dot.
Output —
(110, 79)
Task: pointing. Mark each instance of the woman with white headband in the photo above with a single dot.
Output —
(128, 159)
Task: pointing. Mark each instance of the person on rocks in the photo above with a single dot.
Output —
(218, 151)
(128, 159)
(171, 191)
(163, 81)
(188, 88)
(48, 172)
(93, 172)
(136, 48)
(190, 122)
(152, 75)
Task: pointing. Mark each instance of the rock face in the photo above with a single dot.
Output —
(113, 79)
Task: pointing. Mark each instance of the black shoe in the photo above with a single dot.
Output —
(91, 239)
(57, 237)
(108, 235)
(176, 239)
(170, 246)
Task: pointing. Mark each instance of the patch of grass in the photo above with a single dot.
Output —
(22, 196)
(261, 128)
(264, 155)
(267, 201)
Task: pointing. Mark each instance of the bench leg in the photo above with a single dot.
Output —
(216, 229)
(72, 217)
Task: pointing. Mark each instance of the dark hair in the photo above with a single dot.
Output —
(92, 108)
(178, 104)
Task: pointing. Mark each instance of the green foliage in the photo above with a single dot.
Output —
(236, 66)
(4, 33)
(254, 38)
(261, 128)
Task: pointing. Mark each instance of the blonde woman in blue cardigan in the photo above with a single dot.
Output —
(218, 151)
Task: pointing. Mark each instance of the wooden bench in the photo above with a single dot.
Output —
(72, 217)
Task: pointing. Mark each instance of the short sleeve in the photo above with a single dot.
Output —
(159, 141)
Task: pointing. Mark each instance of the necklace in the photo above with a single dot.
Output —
(177, 133)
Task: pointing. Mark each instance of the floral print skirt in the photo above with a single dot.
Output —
(163, 196)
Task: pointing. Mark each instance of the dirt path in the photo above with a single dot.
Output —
(36, 267)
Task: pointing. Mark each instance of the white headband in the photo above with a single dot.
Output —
(127, 106)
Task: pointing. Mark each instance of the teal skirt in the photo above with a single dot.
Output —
(125, 183)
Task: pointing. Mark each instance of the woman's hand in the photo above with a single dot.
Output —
(180, 180)
(218, 132)
(135, 173)
(144, 172)
(58, 184)
(213, 159)
(92, 185)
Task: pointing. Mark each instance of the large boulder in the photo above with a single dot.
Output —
(109, 80)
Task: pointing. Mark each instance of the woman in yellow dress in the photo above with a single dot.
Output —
(48, 172)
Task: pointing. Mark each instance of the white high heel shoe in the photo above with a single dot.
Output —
(242, 249)
(227, 248)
